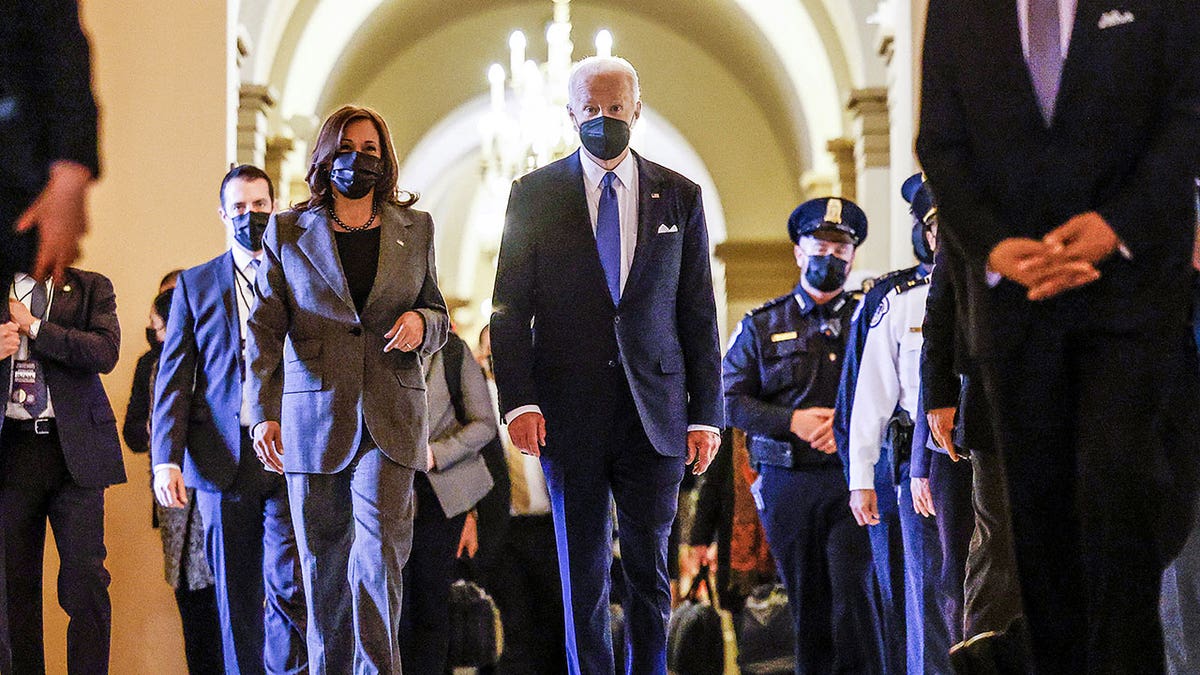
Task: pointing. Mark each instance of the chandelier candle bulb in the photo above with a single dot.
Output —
(516, 58)
(604, 44)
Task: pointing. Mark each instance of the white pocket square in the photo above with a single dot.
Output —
(1115, 17)
(667, 229)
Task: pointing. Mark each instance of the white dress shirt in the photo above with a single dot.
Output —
(889, 375)
(22, 289)
(243, 280)
(626, 186)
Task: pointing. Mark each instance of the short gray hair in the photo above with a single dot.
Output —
(602, 65)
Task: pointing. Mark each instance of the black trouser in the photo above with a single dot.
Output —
(201, 628)
(1093, 487)
(528, 592)
(824, 558)
(35, 486)
(992, 592)
(428, 574)
(950, 488)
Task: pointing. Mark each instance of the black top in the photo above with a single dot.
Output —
(359, 253)
(786, 355)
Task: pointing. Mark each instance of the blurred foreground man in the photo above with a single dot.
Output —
(1061, 139)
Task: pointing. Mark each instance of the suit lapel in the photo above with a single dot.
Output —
(650, 212)
(64, 300)
(999, 25)
(578, 217)
(392, 256)
(223, 285)
(318, 245)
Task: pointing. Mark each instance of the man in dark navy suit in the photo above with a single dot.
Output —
(60, 450)
(1061, 138)
(607, 359)
(199, 438)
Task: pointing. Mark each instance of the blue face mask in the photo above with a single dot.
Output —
(826, 273)
(354, 174)
(248, 229)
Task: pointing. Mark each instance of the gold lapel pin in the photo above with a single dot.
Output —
(67, 288)
(399, 242)
(653, 195)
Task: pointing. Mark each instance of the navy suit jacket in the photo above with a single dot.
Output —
(1123, 142)
(198, 390)
(557, 336)
(79, 340)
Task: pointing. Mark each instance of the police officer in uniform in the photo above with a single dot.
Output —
(781, 381)
(897, 567)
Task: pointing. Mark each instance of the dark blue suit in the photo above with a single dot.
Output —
(249, 539)
(618, 386)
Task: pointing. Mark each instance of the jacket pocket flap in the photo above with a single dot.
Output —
(775, 350)
(412, 378)
(304, 350)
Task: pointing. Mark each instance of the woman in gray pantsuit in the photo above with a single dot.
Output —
(347, 312)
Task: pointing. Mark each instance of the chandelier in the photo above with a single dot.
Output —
(527, 125)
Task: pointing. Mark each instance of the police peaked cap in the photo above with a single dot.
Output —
(910, 187)
(923, 203)
(828, 214)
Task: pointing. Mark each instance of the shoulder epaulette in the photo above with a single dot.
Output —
(769, 304)
(910, 284)
(884, 278)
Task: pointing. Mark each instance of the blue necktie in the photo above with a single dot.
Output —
(608, 236)
(1045, 53)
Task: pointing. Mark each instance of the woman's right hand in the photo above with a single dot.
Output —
(268, 445)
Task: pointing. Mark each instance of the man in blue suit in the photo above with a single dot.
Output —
(607, 359)
(200, 439)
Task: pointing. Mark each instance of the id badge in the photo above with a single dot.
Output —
(25, 391)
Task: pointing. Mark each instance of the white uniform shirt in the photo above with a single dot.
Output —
(889, 375)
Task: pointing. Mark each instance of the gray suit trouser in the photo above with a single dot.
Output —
(354, 529)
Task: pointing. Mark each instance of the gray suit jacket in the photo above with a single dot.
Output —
(461, 478)
(317, 367)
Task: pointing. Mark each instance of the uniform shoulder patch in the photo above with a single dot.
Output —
(885, 305)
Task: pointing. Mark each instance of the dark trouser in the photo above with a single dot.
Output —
(425, 619)
(992, 592)
(824, 558)
(354, 529)
(527, 589)
(618, 464)
(201, 629)
(1094, 487)
(36, 486)
(950, 488)
(251, 548)
(887, 554)
(928, 638)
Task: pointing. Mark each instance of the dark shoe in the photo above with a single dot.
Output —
(994, 652)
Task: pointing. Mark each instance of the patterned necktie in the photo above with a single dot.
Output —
(29, 383)
(608, 236)
(1045, 53)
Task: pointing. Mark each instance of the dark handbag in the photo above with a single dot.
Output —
(766, 640)
(476, 634)
(899, 437)
(695, 638)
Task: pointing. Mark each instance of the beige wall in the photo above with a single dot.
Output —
(161, 79)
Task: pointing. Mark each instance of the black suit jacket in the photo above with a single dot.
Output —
(558, 339)
(1123, 141)
(78, 341)
(47, 111)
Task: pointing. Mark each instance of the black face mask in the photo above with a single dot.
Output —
(152, 338)
(354, 174)
(826, 273)
(605, 137)
(921, 244)
(248, 229)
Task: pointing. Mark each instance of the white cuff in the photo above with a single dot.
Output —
(704, 427)
(517, 412)
(167, 465)
(992, 278)
(35, 327)
(862, 475)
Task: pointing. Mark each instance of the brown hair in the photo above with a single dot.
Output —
(326, 147)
